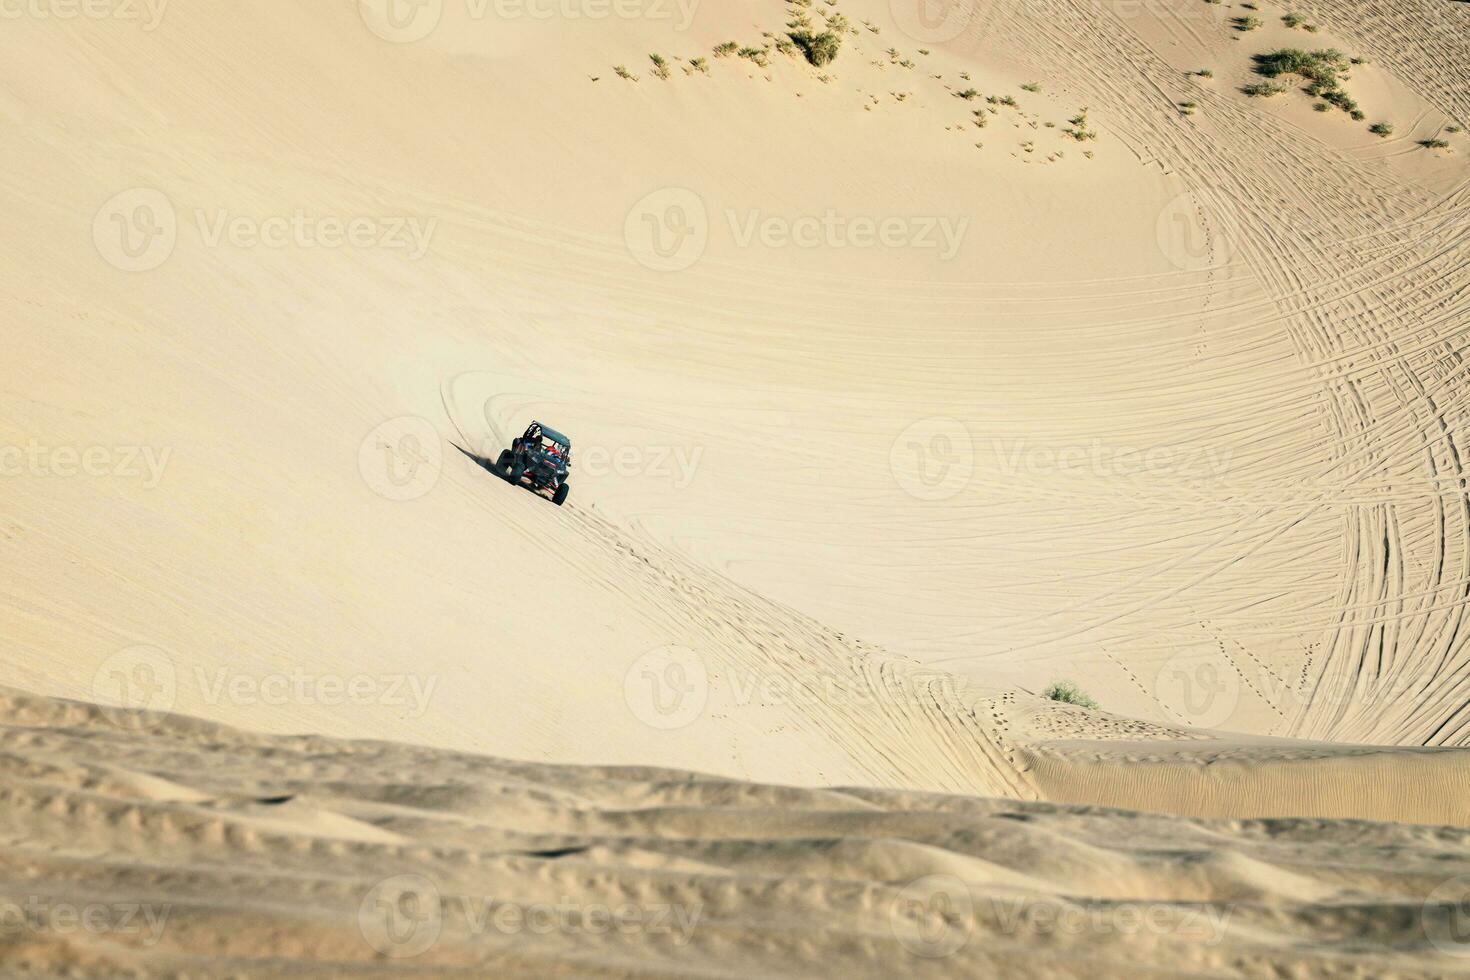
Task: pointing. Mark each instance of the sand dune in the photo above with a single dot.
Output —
(1017, 344)
(310, 856)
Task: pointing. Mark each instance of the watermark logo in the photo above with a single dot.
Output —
(831, 229)
(402, 458)
(136, 229)
(676, 464)
(1203, 925)
(404, 233)
(1198, 687)
(411, 692)
(401, 21)
(932, 21)
(933, 916)
(668, 230)
(933, 459)
(138, 678)
(148, 12)
(667, 688)
(1446, 917)
(144, 678)
(39, 461)
(1017, 457)
(407, 21)
(39, 915)
(1199, 229)
(402, 916)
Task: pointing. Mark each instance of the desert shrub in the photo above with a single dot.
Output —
(1340, 99)
(757, 55)
(1358, 115)
(819, 49)
(1293, 20)
(623, 72)
(1205, 73)
(1434, 144)
(1320, 66)
(1381, 129)
(968, 93)
(660, 66)
(1320, 107)
(1452, 129)
(1068, 693)
(1249, 22)
(1031, 87)
(1079, 130)
(1264, 89)
(726, 49)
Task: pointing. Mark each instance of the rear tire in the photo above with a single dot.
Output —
(503, 463)
(516, 472)
(560, 496)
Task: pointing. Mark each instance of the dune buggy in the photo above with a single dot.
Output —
(540, 459)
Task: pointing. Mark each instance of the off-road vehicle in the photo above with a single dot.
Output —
(540, 460)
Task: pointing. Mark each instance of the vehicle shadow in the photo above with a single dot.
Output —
(486, 462)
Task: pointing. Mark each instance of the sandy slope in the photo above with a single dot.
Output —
(308, 856)
(1176, 412)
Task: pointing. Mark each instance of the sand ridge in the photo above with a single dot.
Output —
(300, 855)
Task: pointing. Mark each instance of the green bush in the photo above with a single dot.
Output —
(1264, 89)
(1381, 129)
(757, 55)
(1068, 693)
(1320, 66)
(819, 49)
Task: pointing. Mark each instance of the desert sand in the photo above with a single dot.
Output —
(1017, 344)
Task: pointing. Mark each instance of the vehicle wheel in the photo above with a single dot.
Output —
(503, 463)
(516, 472)
(560, 497)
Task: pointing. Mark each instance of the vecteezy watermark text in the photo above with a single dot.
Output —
(146, 679)
(136, 230)
(669, 229)
(407, 21)
(36, 459)
(148, 12)
(403, 916)
(300, 230)
(39, 915)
